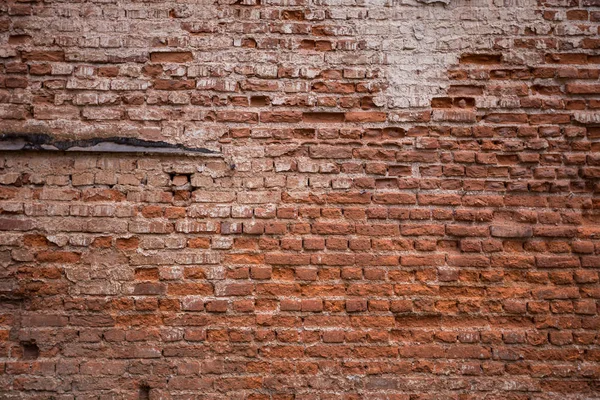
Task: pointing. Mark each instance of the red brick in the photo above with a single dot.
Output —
(422, 261)
(513, 261)
(439, 199)
(557, 262)
(128, 243)
(366, 117)
(513, 231)
(323, 117)
(287, 259)
(245, 258)
(58, 257)
(582, 88)
(171, 56)
(333, 87)
(242, 117)
(281, 116)
(54, 56)
(484, 59)
(422, 230)
(171, 84)
(394, 198)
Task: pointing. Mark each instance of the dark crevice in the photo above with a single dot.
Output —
(42, 142)
(30, 350)
(144, 392)
(12, 298)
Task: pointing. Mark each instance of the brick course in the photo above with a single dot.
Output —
(399, 200)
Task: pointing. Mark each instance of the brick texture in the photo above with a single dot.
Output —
(402, 202)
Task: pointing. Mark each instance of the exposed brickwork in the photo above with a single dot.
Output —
(403, 204)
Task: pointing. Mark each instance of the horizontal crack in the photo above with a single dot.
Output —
(42, 142)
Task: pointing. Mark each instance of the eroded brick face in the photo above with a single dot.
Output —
(400, 203)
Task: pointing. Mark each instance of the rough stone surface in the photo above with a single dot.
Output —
(402, 205)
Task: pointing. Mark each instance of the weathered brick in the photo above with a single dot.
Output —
(359, 201)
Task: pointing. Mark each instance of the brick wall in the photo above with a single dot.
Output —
(395, 200)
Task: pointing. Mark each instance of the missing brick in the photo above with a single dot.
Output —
(30, 350)
(144, 392)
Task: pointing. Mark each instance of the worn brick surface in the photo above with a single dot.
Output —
(402, 203)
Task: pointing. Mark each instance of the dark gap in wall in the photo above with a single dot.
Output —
(43, 142)
(144, 392)
(30, 350)
(259, 101)
(180, 179)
